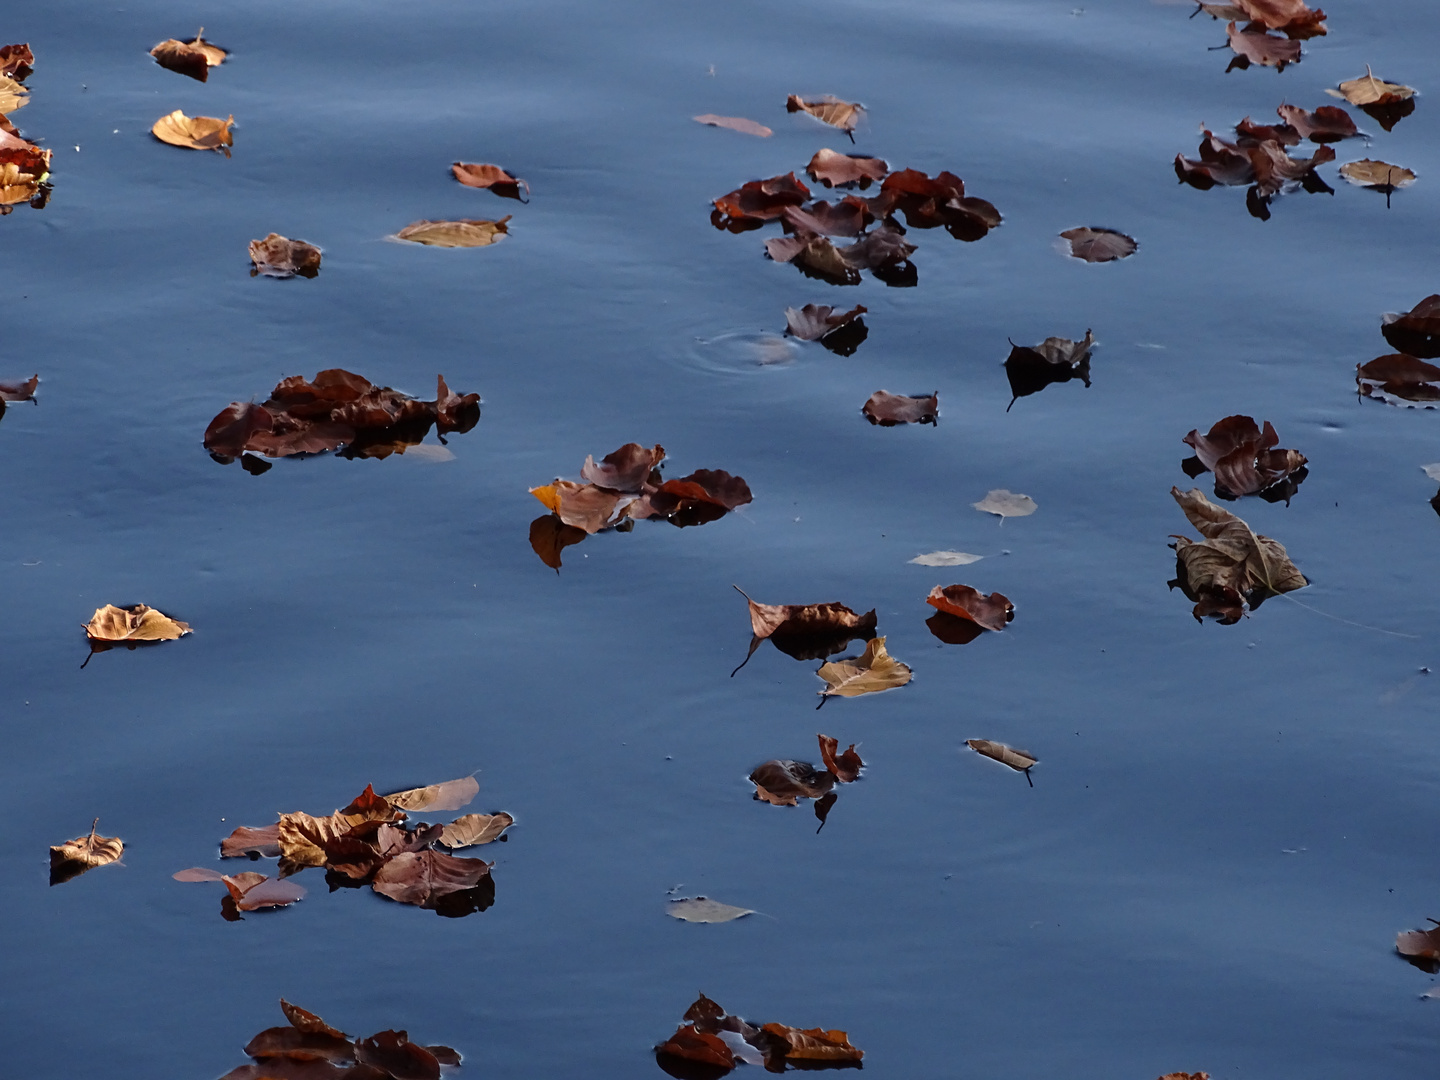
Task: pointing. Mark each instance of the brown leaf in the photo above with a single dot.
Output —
(887, 409)
(829, 110)
(397, 1057)
(952, 630)
(1377, 175)
(1415, 332)
(139, 623)
(473, 829)
(814, 322)
(1421, 947)
(1018, 760)
(1242, 457)
(462, 233)
(992, 612)
(194, 57)
(195, 132)
(74, 857)
(814, 1044)
(296, 1045)
(303, 839)
(306, 1022)
(1328, 123)
(1220, 162)
(882, 246)
(846, 767)
(448, 795)
(815, 257)
(785, 782)
(626, 470)
(806, 620)
(1099, 245)
(1389, 103)
(1290, 17)
(549, 536)
(1186, 1076)
(1233, 564)
(1054, 360)
(583, 506)
(869, 673)
(252, 891)
(734, 123)
(1398, 379)
(493, 177)
(278, 257)
(837, 170)
(17, 186)
(758, 201)
(16, 61)
(689, 1044)
(25, 390)
(264, 841)
(845, 218)
(423, 877)
(1258, 47)
(12, 95)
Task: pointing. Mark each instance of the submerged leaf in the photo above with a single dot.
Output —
(279, 257)
(74, 857)
(700, 909)
(1099, 245)
(1005, 504)
(462, 233)
(195, 132)
(734, 123)
(888, 410)
(873, 671)
(1018, 760)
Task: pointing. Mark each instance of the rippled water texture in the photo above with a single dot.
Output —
(1228, 824)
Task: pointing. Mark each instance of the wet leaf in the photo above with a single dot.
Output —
(306, 1022)
(1290, 17)
(474, 829)
(490, 176)
(1258, 158)
(1018, 760)
(626, 470)
(734, 123)
(294, 1044)
(805, 620)
(869, 673)
(195, 132)
(422, 877)
(16, 61)
(1328, 123)
(12, 95)
(1099, 245)
(549, 536)
(841, 332)
(462, 233)
(113, 625)
(1421, 948)
(813, 1045)
(1377, 176)
(311, 1049)
(304, 840)
(1386, 102)
(1398, 379)
(448, 795)
(396, 1056)
(1258, 47)
(838, 170)
(1415, 332)
(782, 782)
(815, 257)
(848, 217)
(1232, 567)
(263, 841)
(887, 409)
(16, 186)
(194, 57)
(946, 558)
(700, 909)
(752, 204)
(992, 612)
(1005, 504)
(249, 891)
(74, 857)
(829, 110)
(953, 630)
(844, 767)
(692, 1047)
(279, 257)
(883, 246)
(1054, 360)
(18, 390)
(1242, 457)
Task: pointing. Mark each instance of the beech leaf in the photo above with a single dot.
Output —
(1099, 245)
(1328, 123)
(805, 620)
(888, 410)
(74, 857)
(1377, 176)
(194, 57)
(734, 123)
(1018, 760)
(869, 673)
(829, 110)
(449, 795)
(700, 909)
(839, 170)
(1415, 332)
(462, 233)
(992, 612)
(473, 829)
(1004, 503)
(195, 132)
(493, 177)
(1387, 102)
(113, 625)
(279, 257)
(245, 840)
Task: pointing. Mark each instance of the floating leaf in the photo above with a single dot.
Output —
(1290, 17)
(115, 625)
(841, 332)
(734, 123)
(700, 909)
(264, 841)
(992, 612)
(1006, 504)
(709, 1043)
(1099, 245)
(1326, 124)
(448, 795)
(279, 257)
(463, 233)
(1386, 102)
(887, 409)
(1252, 46)
(195, 132)
(16, 61)
(249, 891)
(844, 767)
(782, 782)
(838, 170)
(12, 95)
(474, 829)
(946, 558)
(1377, 176)
(490, 176)
(194, 57)
(1018, 760)
(74, 857)
(814, 1045)
(1258, 157)
(869, 673)
(805, 620)
(1232, 567)
(752, 204)
(19, 390)
(1398, 379)
(1417, 331)
(1243, 458)
(1421, 948)
(423, 877)
(1054, 360)
(829, 110)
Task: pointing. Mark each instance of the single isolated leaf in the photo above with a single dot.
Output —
(493, 177)
(74, 857)
(834, 169)
(1006, 504)
(24, 390)
(1018, 760)
(782, 782)
(829, 110)
(473, 829)
(734, 123)
(1386, 102)
(842, 332)
(449, 795)
(946, 558)
(869, 673)
(805, 620)
(1255, 46)
(700, 909)
(194, 57)
(1415, 332)
(112, 624)
(1421, 948)
(844, 767)
(1099, 245)
(1398, 379)
(1432, 471)
(279, 257)
(1054, 360)
(888, 410)
(462, 233)
(195, 132)
(1377, 176)
(1233, 567)
(992, 612)
(1242, 457)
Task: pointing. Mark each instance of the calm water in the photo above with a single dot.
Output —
(1228, 824)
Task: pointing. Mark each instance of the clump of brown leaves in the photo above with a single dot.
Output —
(24, 166)
(782, 782)
(709, 1044)
(1245, 460)
(1258, 157)
(1233, 569)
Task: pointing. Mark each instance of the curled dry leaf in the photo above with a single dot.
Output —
(24, 389)
(1018, 760)
(782, 782)
(12, 95)
(113, 625)
(1004, 503)
(1291, 17)
(279, 257)
(194, 57)
(74, 857)
(462, 233)
(806, 620)
(1054, 360)
(447, 795)
(1099, 245)
(16, 61)
(752, 204)
(701, 909)
(1233, 568)
(946, 558)
(1386, 102)
(1328, 123)
(493, 177)
(844, 767)
(195, 132)
(842, 332)
(474, 829)
(1255, 46)
(992, 612)
(839, 170)
(829, 110)
(1398, 379)
(1415, 332)
(1244, 459)
(888, 410)
(872, 671)
(734, 123)
(1377, 176)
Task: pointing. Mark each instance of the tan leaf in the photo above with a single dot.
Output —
(462, 233)
(1368, 90)
(473, 829)
(139, 623)
(1018, 760)
(1005, 504)
(17, 186)
(1377, 174)
(490, 176)
(829, 110)
(448, 795)
(74, 857)
(804, 619)
(12, 95)
(194, 57)
(1233, 563)
(195, 132)
(279, 257)
(873, 671)
(835, 169)
(734, 123)
(700, 909)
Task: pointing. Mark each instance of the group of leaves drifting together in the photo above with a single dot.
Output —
(708, 1044)
(1245, 460)
(24, 166)
(368, 843)
(337, 411)
(1272, 32)
(1403, 377)
(625, 487)
(308, 1048)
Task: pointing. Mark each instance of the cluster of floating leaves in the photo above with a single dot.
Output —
(24, 166)
(1245, 460)
(708, 1044)
(1403, 377)
(1272, 32)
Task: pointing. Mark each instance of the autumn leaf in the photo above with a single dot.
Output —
(1377, 176)
(1233, 567)
(474, 829)
(448, 795)
(492, 177)
(1257, 157)
(1327, 123)
(114, 625)
(246, 840)
(1243, 458)
(1386, 102)
(16, 186)
(888, 410)
(946, 558)
(24, 390)
(992, 612)
(928, 203)
(1018, 760)
(549, 536)
(249, 891)
(848, 217)
(12, 95)
(74, 857)
(279, 257)
(423, 877)
(1258, 47)
(1415, 332)
(1290, 17)
(734, 123)
(839, 170)
(829, 110)
(1006, 504)
(805, 620)
(1054, 360)
(752, 204)
(1421, 948)
(195, 132)
(16, 61)
(882, 247)
(842, 332)
(462, 233)
(690, 1047)
(814, 1045)
(626, 470)
(844, 767)
(869, 673)
(1398, 379)
(815, 257)
(194, 57)
(310, 1049)
(304, 839)
(1099, 245)
(782, 782)
(700, 909)
(394, 1055)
